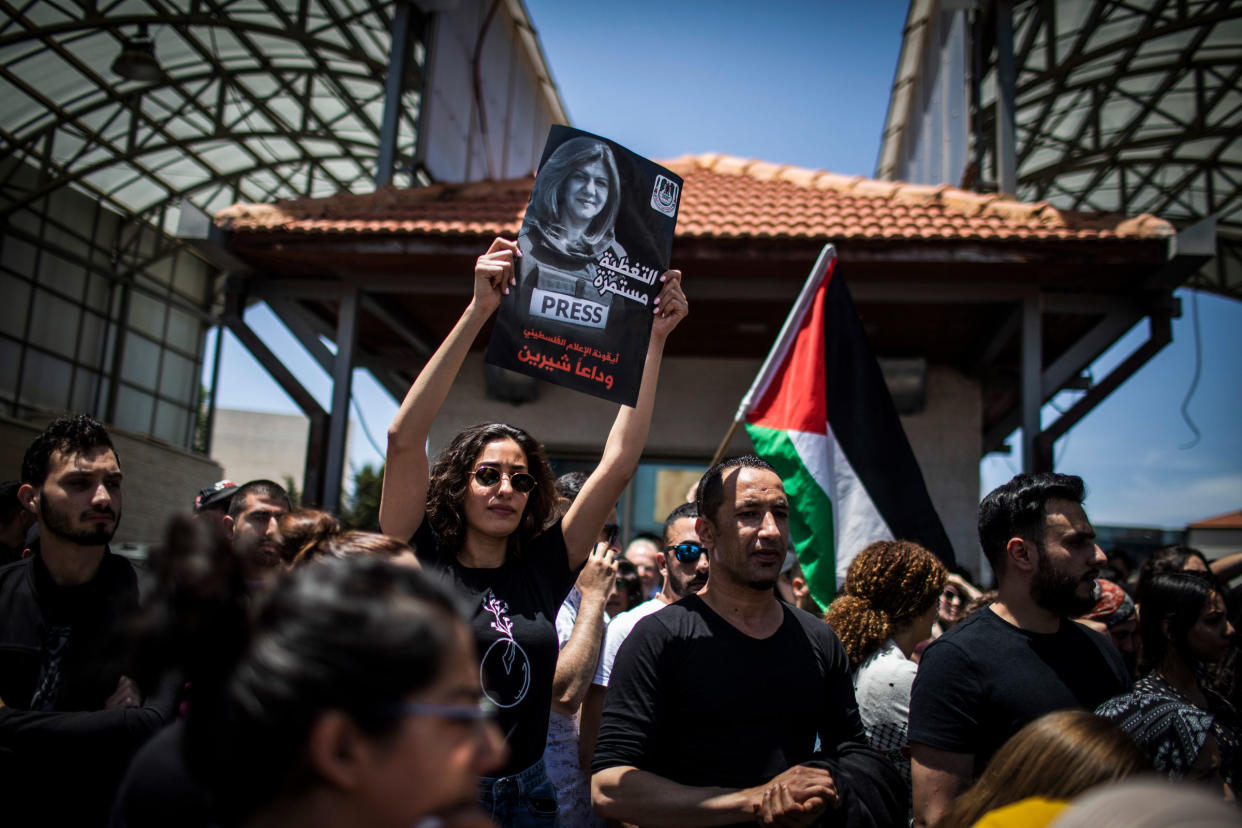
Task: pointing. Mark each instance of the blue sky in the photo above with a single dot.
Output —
(806, 82)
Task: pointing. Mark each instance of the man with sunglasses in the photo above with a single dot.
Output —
(683, 563)
(731, 706)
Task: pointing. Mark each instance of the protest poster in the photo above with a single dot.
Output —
(596, 237)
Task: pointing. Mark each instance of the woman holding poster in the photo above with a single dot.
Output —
(478, 519)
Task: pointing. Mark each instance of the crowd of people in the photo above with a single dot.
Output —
(492, 655)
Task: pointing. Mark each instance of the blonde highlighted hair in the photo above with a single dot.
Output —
(1058, 756)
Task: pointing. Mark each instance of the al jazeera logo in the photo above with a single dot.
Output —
(664, 196)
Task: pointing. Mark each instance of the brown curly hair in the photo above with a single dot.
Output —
(450, 478)
(888, 584)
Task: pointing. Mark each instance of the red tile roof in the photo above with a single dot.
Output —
(1229, 520)
(724, 197)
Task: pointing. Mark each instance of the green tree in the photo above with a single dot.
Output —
(201, 424)
(362, 507)
(291, 486)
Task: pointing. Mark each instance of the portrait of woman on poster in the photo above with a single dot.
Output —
(573, 210)
(569, 226)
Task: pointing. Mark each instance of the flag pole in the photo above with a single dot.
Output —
(783, 340)
(724, 444)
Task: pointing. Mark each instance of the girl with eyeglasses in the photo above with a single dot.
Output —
(352, 699)
(482, 519)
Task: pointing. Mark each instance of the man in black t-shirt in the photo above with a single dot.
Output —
(1022, 656)
(69, 718)
(715, 703)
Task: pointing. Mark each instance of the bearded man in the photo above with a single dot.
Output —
(69, 717)
(1022, 656)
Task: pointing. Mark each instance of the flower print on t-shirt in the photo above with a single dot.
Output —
(504, 670)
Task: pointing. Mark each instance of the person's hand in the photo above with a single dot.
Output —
(494, 274)
(811, 789)
(125, 695)
(599, 574)
(670, 306)
(969, 591)
(778, 807)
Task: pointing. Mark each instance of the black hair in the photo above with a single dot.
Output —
(1017, 510)
(629, 583)
(259, 488)
(356, 635)
(569, 484)
(68, 435)
(683, 510)
(450, 477)
(1176, 597)
(1164, 560)
(195, 618)
(709, 496)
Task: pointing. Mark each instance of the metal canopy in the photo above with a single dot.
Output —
(1129, 108)
(259, 100)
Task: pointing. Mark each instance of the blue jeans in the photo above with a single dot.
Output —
(524, 800)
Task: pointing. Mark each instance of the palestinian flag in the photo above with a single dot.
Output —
(820, 412)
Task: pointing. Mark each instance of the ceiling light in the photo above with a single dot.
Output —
(137, 58)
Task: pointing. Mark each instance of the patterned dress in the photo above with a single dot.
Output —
(1172, 730)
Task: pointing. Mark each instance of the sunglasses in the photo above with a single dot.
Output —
(687, 552)
(609, 533)
(522, 483)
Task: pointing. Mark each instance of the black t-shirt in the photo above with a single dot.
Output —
(695, 700)
(513, 617)
(980, 682)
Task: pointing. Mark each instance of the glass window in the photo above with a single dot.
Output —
(141, 363)
(146, 314)
(184, 331)
(160, 270)
(97, 293)
(190, 278)
(54, 323)
(177, 378)
(85, 390)
(94, 340)
(171, 423)
(57, 236)
(16, 303)
(45, 381)
(61, 275)
(18, 256)
(133, 409)
(657, 489)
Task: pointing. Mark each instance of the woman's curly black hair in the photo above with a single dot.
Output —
(450, 478)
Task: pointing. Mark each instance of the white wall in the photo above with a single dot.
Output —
(253, 445)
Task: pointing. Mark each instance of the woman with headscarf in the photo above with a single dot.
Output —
(1188, 730)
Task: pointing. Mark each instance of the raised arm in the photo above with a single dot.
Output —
(575, 664)
(628, 435)
(404, 497)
